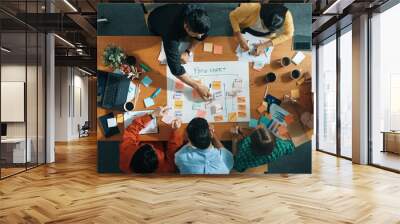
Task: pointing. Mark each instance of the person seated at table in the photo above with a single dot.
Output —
(273, 21)
(148, 157)
(204, 153)
(176, 23)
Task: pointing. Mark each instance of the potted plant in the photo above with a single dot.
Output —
(114, 56)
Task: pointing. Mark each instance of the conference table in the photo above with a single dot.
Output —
(147, 49)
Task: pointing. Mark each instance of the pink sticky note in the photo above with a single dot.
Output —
(201, 113)
(179, 85)
(218, 49)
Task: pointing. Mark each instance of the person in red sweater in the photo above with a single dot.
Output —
(149, 157)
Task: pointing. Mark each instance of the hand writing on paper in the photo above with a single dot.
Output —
(258, 49)
(176, 124)
(203, 92)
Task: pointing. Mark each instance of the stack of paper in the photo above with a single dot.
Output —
(162, 58)
(260, 60)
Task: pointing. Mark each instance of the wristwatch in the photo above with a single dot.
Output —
(189, 52)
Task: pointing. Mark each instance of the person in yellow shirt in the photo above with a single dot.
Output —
(273, 21)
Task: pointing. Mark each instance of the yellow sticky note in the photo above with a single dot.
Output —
(216, 85)
(178, 104)
(295, 93)
(120, 118)
(232, 117)
(208, 47)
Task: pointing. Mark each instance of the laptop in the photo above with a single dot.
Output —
(115, 91)
(3, 131)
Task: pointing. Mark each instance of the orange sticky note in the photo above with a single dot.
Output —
(216, 85)
(179, 86)
(178, 104)
(241, 99)
(241, 114)
(232, 117)
(241, 107)
(218, 118)
(218, 49)
(120, 118)
(208, 47)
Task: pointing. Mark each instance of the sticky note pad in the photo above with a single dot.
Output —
(196, 105)
(241, 99)
(120, 118)
(208, 47)
(262, 108)
(232, 117)
(179, 86)
(218, 49)
(178, 113)
(242, 114)
(111, 122)
(201, 113)
(253, 123)
(178, 104)
(216, 85)
(148, 102)
(146, 81)
(217, 95)
(218, 118)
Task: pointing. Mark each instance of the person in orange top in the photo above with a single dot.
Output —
(148, 157)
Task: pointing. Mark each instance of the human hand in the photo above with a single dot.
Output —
(203, 92)
(176, 124)
(212, 132)
(258, 49)
(243, 44)
(160, 111)
(185, 57)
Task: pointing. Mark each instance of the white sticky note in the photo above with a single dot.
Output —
(112, 122)
(148, 102)
(167, 119)
(298, 58)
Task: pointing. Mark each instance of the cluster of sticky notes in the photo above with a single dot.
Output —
(178, 104)
(148, 102)
(253, 123)
(146, 81)
(232, 117)
(208, 47)
(112, 122)
(218, 49)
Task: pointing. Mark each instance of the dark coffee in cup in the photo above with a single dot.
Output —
(270, 77)
(285, 61)
(295, 74)
(128, 106)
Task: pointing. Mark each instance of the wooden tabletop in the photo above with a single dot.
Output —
(147, 48)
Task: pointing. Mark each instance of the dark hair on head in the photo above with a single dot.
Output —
(197, 19)
(262, 141)
(198, 133)
(144, 160)
(273, 16)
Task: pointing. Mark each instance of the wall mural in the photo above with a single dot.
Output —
(202, 88)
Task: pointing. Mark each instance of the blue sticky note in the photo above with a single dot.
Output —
(253, 123)
(146, 81)
(148, 102)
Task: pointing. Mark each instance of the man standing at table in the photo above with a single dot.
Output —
(176, 23)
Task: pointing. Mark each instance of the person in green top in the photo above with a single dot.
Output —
(259, 148)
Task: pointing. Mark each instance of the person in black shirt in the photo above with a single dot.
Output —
(176, 23)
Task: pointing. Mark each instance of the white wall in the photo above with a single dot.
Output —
(71, 93)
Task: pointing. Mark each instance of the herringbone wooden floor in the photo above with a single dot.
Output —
(71, 191)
